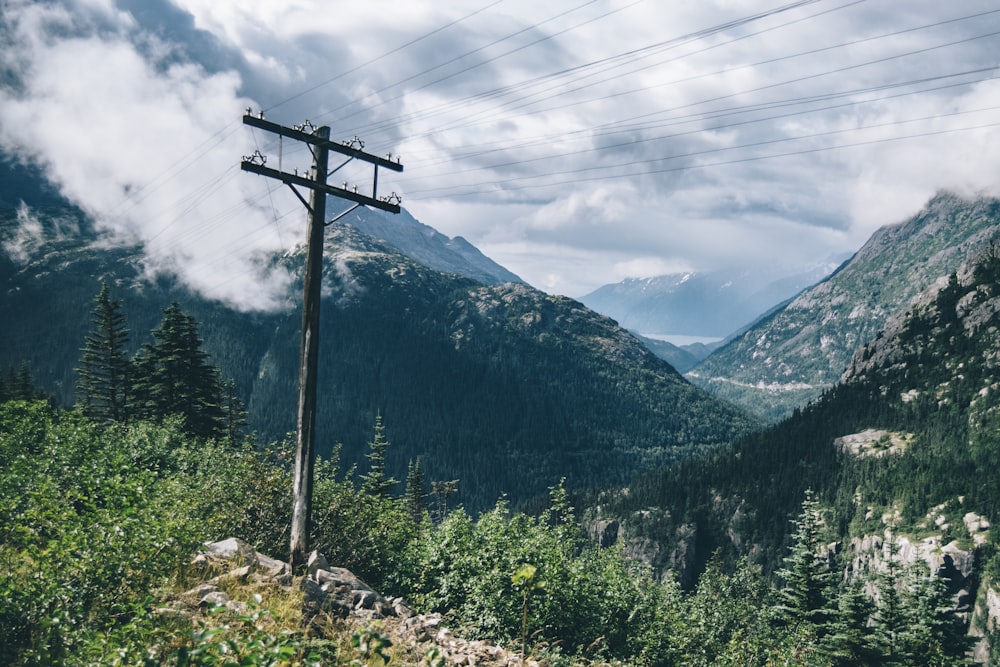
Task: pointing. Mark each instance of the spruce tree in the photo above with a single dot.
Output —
(889, 620)
(375, 482)
(806, 596)
(849, 642)
(234, 413)
(102, 390)
(932, 635)
(19, 385)
(173, 377)
(415, 493)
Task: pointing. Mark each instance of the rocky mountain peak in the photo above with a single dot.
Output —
(791, 356)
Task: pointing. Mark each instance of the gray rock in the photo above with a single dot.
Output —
(212, 598)
(315, 562)
(233, 549)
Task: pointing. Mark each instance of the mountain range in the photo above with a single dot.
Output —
(902, 450)
(485, 379)
(713, 304)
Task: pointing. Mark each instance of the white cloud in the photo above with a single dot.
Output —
(571, 146)
(137, 144)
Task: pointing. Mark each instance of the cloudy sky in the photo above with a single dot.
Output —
(576, 142)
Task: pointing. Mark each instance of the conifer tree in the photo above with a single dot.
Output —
(889, 620)
(19, 385)
(103, 386)
(849, 642)
(415, 493)
(932, 636)
(441, 491)
(173, 376)
(807, 594)
(375, 482)
(234, 413)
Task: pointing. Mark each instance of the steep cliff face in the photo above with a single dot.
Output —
(790, 357)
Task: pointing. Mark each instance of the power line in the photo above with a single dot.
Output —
(690, 118)
(471, 189)
(607, 64)
(399, 48)
(451, 61)
(757, 64)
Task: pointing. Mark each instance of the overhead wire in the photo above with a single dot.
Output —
(454, 60)
(382, 56)
(631, 54)
(487, 148)
(611, 63)
(690, 118)
(458, 192)
(694, 77)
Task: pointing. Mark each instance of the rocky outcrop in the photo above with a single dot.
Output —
(335, 593)
(873, 442)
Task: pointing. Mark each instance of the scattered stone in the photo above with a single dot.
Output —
(315, 562)
(338, 593)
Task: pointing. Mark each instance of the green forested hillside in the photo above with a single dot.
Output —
(500, 387)
(99, 524)
(929, 383)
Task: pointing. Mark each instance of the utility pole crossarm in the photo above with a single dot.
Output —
(303, 181)
(299, 135)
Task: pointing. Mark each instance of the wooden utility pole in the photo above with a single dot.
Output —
(321, 146)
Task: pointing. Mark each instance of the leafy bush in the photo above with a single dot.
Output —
(592, 599)
(88, 529)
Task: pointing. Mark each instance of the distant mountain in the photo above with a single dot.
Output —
(711, 304)
(429, 246)
(681, 357)
(499, 386)
(793, 355)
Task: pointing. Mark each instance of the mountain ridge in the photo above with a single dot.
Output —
(709, 304)
(500, 386)
(790, 357)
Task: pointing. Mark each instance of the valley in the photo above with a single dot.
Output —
(510, 398)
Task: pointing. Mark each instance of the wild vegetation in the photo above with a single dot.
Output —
(99, 522)
(926, 391)
(102, 508)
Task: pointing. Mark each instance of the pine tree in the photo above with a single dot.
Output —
(889, 619)
(19, 385)
(375, 482)
(932, 636)
(806, 596)
(441, 491)
(233, 411)
(849, 642)
(103, 385)
(173, 377)
(415, 493)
